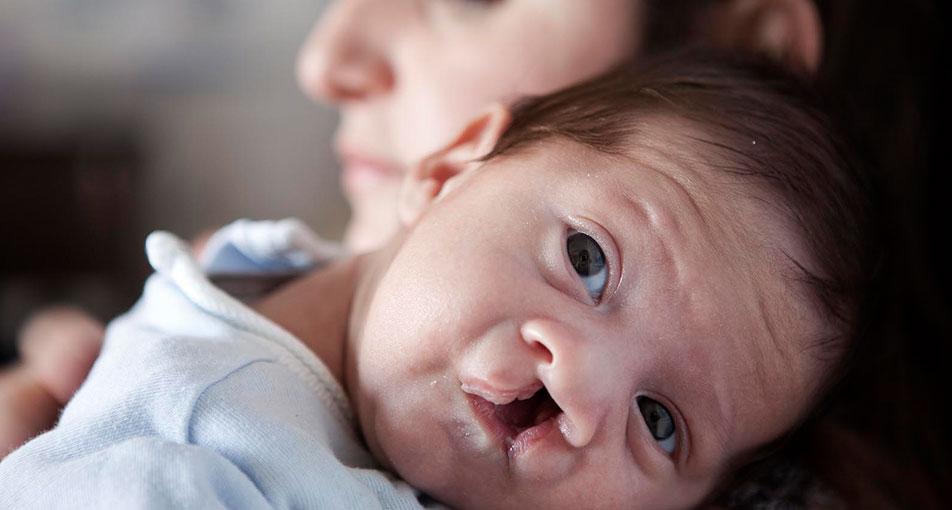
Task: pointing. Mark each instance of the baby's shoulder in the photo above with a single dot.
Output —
(158, 360)
(165, 333)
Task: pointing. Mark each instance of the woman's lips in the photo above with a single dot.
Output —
(361, 172)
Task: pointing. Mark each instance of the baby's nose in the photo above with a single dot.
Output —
(579, 373)
(500, 368)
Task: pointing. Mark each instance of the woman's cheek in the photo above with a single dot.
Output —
(432, 114)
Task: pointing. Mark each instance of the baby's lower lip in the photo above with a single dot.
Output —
(514, 443)
(525, 440)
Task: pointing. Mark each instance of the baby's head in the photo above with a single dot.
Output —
(648, 279)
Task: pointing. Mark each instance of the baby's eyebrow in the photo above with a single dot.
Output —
(641, 212)
(672, 226)
(770, 328)
(707, 414)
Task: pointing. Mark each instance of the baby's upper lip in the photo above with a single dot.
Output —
(576, 427)
(495, 395)
(499, 396)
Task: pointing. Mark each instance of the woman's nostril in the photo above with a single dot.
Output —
(357, 79)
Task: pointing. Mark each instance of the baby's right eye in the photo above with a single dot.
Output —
(588, 260)
(660, 423)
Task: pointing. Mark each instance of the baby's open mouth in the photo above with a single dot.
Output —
(519, 415)
(521, 421)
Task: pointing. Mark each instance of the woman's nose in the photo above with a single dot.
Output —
(345, 56)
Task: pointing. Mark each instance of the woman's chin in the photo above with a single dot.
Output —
(372, 221)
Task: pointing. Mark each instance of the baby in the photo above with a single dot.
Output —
(611, 298)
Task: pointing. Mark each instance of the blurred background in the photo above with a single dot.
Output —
(121, 117)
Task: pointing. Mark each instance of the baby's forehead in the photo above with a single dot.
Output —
(670, 191)
(709, 219)
(674, 177)
(678, 190)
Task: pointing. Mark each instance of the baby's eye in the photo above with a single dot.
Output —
(660, 423)
(588, 260)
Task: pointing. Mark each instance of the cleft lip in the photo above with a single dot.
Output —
(575, 429)
(485, 412)
(516, 443)
(516, 426)
(498, 396)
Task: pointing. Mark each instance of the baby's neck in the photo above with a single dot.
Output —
(326, 309)
(315, 308)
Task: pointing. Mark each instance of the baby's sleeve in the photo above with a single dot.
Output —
(290, 445)
(183, 410)
(140, 472)
(123, 440)
(255, 438)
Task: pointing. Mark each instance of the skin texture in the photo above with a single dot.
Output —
(27, 407)
(405, 75)
(58, 347)
(476, 300)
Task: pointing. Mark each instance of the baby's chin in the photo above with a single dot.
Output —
(433, 461)
(474, 495)
(463, 478)
(439, 445)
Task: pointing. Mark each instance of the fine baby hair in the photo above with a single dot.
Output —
(767, 131)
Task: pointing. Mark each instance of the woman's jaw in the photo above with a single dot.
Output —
(371, 185)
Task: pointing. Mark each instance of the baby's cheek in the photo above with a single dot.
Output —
(411, 326)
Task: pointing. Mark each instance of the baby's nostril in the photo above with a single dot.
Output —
(539, 335)
(541, 351)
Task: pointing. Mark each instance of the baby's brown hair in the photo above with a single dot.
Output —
(765, 127)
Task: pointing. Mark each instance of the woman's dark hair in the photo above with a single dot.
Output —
(763, 128)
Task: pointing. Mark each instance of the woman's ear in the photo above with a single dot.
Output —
(789, 31)
(436, 173)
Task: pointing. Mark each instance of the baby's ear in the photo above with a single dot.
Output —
(789, 31)
(436, 173)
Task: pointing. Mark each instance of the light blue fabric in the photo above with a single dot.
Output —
(199, 402)
(266, 247)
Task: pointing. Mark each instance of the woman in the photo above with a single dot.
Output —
(405, 72)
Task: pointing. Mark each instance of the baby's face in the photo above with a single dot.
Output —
(572, 329)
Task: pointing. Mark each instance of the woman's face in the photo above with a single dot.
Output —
(406, 74)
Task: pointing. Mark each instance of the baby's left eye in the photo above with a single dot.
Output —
(588, 260)
(660, 423)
